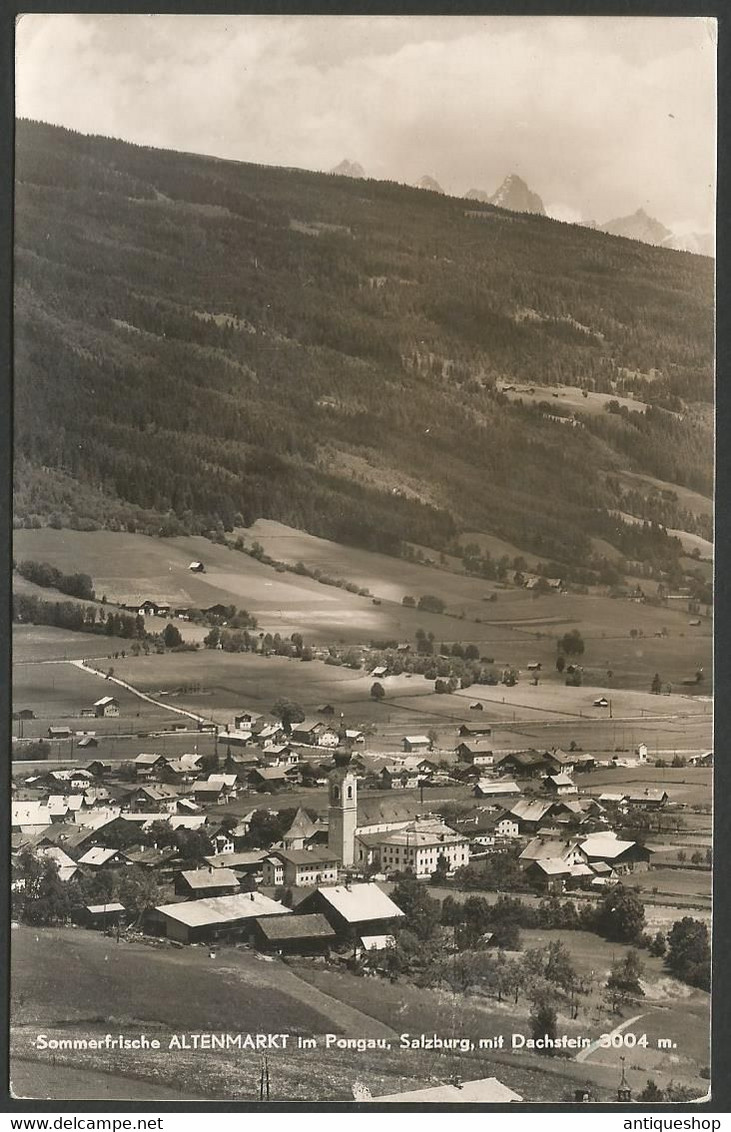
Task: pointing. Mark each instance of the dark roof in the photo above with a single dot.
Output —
(305, 926)
(305, 856)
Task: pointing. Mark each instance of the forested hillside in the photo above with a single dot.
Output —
(200, 343)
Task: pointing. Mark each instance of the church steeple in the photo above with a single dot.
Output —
(343, 810)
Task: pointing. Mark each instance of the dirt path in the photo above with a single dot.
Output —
(84, 666)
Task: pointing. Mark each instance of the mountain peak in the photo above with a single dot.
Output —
(638, 226)
(348, 168)
(427, 182)
(515, 196)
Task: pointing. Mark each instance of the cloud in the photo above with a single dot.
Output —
(604, 115)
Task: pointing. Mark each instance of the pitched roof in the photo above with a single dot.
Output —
(105, 700)
(530, 809)
(360, 902)
(489, 786)
(147, 759)
(96, 909)
(311, 925)
(605, 846)
(305, 856)
(97, 855)
(222, 909)
(469, 1092)
(201, 879)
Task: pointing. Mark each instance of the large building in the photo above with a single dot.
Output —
(418, 848)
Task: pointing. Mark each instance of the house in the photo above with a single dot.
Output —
(152, 797)
(412, 743)
(106, 707)
(196, 567)
(222, 842)
(380, 672)
(701, 760)
(484, 828)
(602, 701)
(294, 935)
(97, 768)
(88, 742)
(558, 761)
(245, 720)
(476, 705)
(98, 857)
(623, 856)
(488, 1090)
(244, 864)
(397, 777)
(192, 921)
(360, 909)
(474, 730)
(148, 765)
(241, 763)
(647, 799)
(530, 813)
(559, 784)
(227, 782)
(475, 752)
(197, 883)
(326, 709)
(67, 867)
(157, 860)
(267, 779)
(297, 868)
(206, 792)
(59, 733)
(549, 874)
(496, 788)
(353, 735)
(307, 732)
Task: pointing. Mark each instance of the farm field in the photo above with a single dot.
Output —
(57, 691)
(45, 642)
(695, 883)
(518, 629)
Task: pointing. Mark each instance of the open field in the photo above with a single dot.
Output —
(45, 642)
(691, 500)
(517, 629)
(42, 1080)
(57, 691)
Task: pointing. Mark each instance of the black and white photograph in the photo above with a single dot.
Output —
(363, 559)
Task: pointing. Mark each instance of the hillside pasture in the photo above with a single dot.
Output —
(45, 642)
(570, 397)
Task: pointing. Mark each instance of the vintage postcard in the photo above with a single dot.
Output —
(362, 733)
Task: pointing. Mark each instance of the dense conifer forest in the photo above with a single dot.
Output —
(199, 343)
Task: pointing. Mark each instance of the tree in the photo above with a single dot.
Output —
(289, 712)
(422, 913)
(378, 692)
(408, 601)
(431, 604)
(212, 639)
(171, 636)
(620, 915)
(658, 945)
(689, 953)
(656, 686)
(571, 644)
(623, 984)
(440, 873)
(651, 1094)
(543, 1024)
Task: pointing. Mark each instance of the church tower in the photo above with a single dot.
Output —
(343, 811)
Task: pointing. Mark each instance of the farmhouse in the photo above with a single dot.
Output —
(300, 867)
(559, 784)
(148, 765)
(361, 908)
(648, 799)
(59, 732)
(191, 921)
(98, 857)
(267, 778)
(106, 707)
(475, 752)
(294, 935)
(197, 883)
(530, 813)
(197, 567)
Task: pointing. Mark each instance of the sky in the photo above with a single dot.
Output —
(599, 115)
